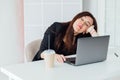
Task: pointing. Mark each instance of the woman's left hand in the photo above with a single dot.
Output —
(92, 31)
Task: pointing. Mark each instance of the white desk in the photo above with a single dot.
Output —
(36, 71)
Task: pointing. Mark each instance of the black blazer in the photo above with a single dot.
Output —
(54, 31)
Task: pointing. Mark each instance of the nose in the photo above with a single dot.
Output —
(82, 23)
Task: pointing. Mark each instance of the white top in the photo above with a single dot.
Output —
(36, 71)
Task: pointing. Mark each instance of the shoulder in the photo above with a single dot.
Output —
(53, 28)
(60, 24)
(58, 27)
(57, 23)
(54, 25)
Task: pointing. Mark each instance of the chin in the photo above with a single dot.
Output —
(80, 32)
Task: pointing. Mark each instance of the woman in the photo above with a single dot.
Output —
(63, 36)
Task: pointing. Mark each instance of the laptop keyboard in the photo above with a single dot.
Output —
(72, 59)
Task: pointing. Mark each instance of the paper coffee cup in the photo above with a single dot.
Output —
(49, 56)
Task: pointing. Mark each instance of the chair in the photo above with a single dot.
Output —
(31, 49)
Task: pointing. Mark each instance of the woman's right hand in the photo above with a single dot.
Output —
(60, 58)
(42, 55)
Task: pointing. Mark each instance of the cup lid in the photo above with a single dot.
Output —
(49, 51)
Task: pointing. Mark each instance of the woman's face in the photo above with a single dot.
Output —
(82, 24)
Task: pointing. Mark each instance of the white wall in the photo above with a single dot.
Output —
(113, 21)
(48, 11)
(97, 8)
(11, 32)
(40, 14)
(107, 15)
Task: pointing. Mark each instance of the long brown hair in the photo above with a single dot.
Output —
(68, 34)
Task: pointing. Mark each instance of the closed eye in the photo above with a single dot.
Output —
(86, 24)
(82, 19)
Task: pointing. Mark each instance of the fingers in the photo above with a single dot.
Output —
(60, 58)
(42, 55)
(63, 57)
(90, 29)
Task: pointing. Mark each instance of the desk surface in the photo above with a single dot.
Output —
(36, 71)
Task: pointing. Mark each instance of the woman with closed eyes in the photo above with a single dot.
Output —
(64, 35)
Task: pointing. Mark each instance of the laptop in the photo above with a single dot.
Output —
(90, 50)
